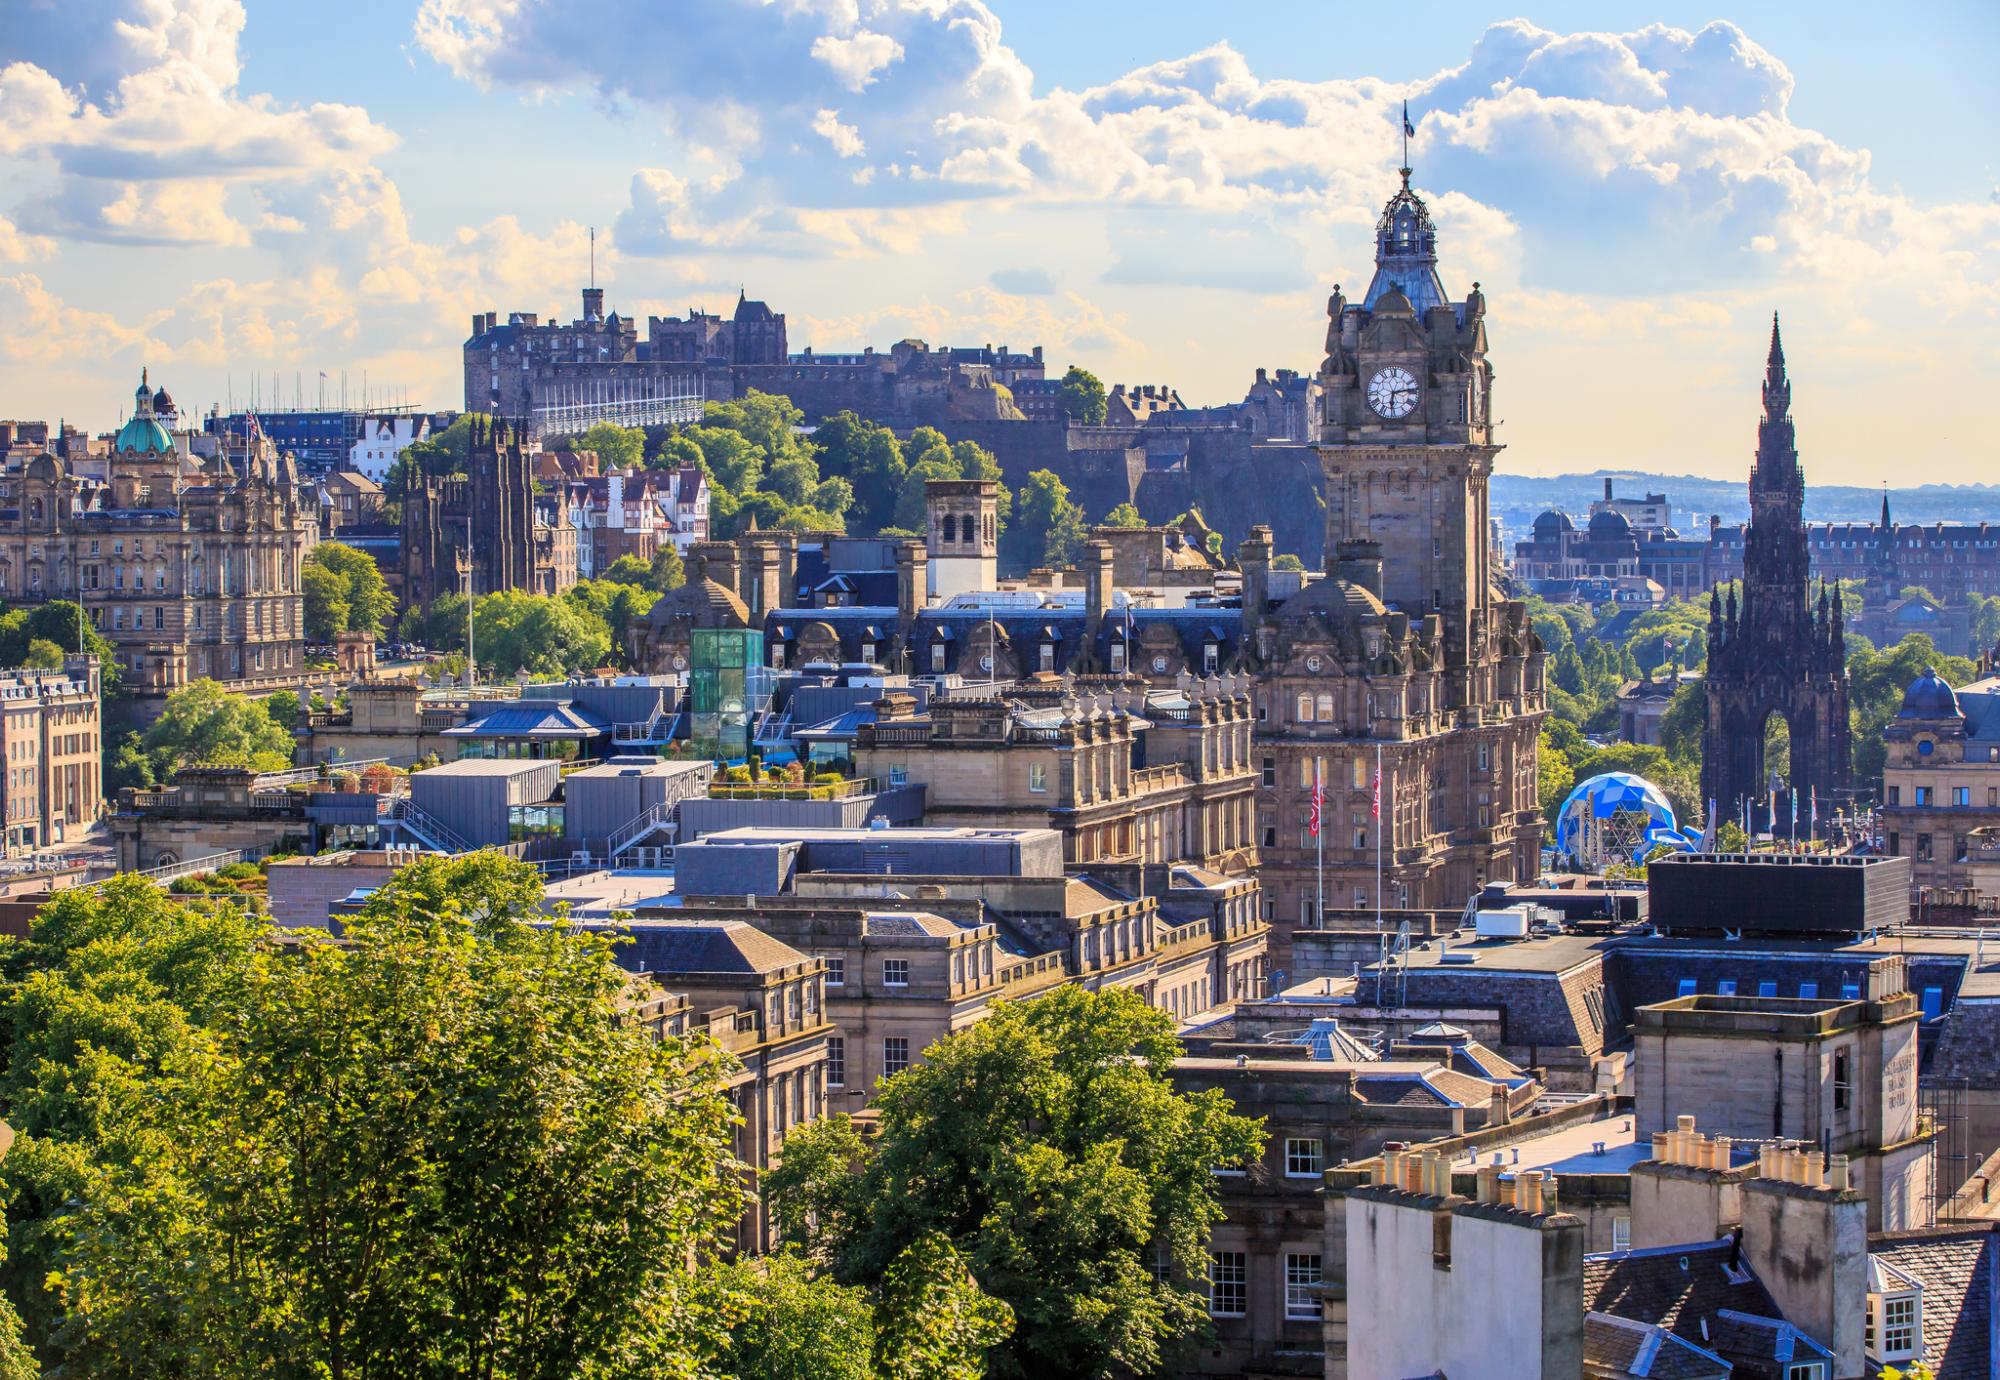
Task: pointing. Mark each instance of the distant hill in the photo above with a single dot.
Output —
(1517, 499)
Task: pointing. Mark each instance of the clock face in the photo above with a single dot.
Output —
(1393, 392)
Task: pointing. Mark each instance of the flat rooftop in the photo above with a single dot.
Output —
(766, 833)
(596, 895)
(1572, 1149)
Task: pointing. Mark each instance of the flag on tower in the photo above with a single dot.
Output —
(1812, 801)
(1409, 130)
(1318, 796)
(1375, 806)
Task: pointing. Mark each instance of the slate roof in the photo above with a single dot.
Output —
(1960, 1276)
(1614, 1343)
(1675, 1287)
(532, 719)
(696, 946)
(909, 925)
(1763, 1343)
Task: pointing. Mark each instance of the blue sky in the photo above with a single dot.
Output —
(1162, 192)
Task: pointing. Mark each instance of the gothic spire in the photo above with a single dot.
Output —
(1886, 528)
(1777, 388)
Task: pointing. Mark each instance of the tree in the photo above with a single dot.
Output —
(1081, 397)
(628, 570)
(617, 447)
(204, 725)
(284, 708)
(933, 1322)
(1557, 778)
(1046, 1144)
(1048, 527)
(614, 604)
(442, 455)
(869, 458)
(731, 460)
(42, 655)
(61, 625)
(539, 634)
(768, 421)
(1876, 681)
(434, 1148)
(1124, 515)
(1287, 561)
(669, 572)
(344, 592)
(800, 1326)
(439, 625)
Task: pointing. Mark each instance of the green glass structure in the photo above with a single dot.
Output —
(722, 662)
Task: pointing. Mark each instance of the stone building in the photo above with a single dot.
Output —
(52, 738)
(1941, 778)
(190, 570)
(490, 527)
(1779, 654)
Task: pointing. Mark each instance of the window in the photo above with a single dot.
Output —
(1923, 795)
(792, 1003)
(1805, 1370)
(1961, 795)
(1923, 847)
(836, 971)
(1843, 1087)
(1302, 1280)
(1808, 991)
(1048, 656)
(899, 775)
(937, 658)
(1932, 1002)
(1038, 777)
(836, 1062)
(1621, 1233)
(1767, 989)
(1687, 988)
(1302, 1157)
(1228, 1284)
(896, 972)
(1898, 1329)
(895, 1054)
(1726, 987)
(1268, 773)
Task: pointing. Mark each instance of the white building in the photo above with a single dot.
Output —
(383, 439)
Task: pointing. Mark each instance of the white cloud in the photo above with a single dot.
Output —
(856, 58)
(19, 247)
(134, 104)
(846, 139)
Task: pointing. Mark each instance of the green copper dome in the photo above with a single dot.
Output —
(143, 434)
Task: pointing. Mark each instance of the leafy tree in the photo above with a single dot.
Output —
(614, 604)
(1048, 527)
(617, 447)
(1287, 561)
(732, 461)
(344, 592)
(1124, 515)
(442, 455)
(767, 421)
(204, 725)
(1081, 397)
(676, 452)
(284, 708)
(800, 1326)
(62, 624)
(869, 458)
(537, 634)
(628, 570)
(1557, 778)
(669, 571)
(42, 655)
(933, 1321)
(1876, 681)
(1048, 1146)
(794, 479)
(438, 625)
(433, 1149)
(910, 507)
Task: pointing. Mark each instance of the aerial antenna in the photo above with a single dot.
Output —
(593, 256)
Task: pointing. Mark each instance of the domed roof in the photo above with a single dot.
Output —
(144, 435)
(1552, 522)
(1339, 600)
(703, 601)
(1609, 523)
(1929, 697)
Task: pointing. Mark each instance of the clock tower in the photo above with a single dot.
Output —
(1406, 437)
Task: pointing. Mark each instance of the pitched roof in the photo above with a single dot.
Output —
(1632, 1348)
(1675, 1287)
(1959, 1275)
(697, 946)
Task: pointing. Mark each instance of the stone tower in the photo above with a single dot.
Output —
(1406, 444)
(963, 535)
(1779, 651)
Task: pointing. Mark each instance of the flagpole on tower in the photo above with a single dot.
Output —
(1319, 841)
(1375, 810)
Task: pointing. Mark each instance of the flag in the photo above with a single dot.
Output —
(1318, 797)
(1795, 807)
(1409, 130)
(1375, 806)
(1708, 835)
(1774, 809)
(1812, 802)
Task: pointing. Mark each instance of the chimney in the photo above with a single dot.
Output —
(718, 563)
(492, 319)
(1687, 1191)
(1253, 558)
(1097, 568)
(478, 323)
(912, 579)
(1808, 1243)
(1607, 489)
(1359, 562)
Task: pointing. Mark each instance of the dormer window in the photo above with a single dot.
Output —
(1894, 1323)
(1211, 657)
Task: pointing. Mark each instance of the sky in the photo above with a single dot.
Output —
(1161, 192)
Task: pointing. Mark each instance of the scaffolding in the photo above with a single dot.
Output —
(567, 406)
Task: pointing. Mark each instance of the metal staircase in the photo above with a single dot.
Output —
(426, 828)
(646, 822)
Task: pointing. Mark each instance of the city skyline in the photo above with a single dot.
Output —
(1139, 197)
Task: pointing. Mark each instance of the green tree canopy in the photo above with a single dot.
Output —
(204, 725)
(538, 634)
(442, 455)
(1047, 1145)
(1124, 515)
(1081, 397)
(1048, 526)
(435, 1148)
(617, 447)
(870, 459)
(344, 592)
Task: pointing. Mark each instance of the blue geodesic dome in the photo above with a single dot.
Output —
(1625, 814)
